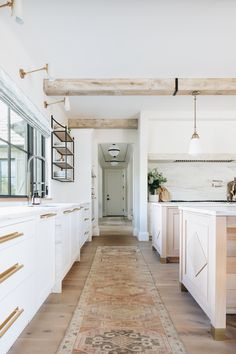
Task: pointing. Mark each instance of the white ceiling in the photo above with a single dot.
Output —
(131, 38)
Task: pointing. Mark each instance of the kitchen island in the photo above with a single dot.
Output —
(208, 260)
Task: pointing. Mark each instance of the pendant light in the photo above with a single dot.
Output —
(114, 162)
(194, 145)
(114, 150)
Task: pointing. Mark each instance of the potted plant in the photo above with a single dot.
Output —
(155, 180)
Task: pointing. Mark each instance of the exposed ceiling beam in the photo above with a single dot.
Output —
(210, 86)
(103, 123)
(139, 87)
(108, 87)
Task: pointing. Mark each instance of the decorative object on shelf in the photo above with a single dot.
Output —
(62, 154)
(23, 73)
(66, 102)
(16, 10)
(231, 190)
(195, 146)
(155, 181)
(114, 150)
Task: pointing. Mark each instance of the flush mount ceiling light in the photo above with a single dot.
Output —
(65, 100)
(194, 145)
(24, 73)
(16, 10)
(114, 162)
(114, 150)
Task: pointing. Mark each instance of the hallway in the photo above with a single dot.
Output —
(47, 329)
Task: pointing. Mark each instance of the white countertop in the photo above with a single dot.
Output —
(201, 204)
(17, 211)
(221, 210)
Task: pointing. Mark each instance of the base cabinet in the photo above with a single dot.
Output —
(45, 251)
(165, 231)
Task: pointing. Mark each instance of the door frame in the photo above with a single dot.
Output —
(123, 170)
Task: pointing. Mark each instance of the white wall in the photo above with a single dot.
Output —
(13, 56)
(79, 191)
(193, 181)
(171, 136)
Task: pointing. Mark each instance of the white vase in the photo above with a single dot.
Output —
(153, 198)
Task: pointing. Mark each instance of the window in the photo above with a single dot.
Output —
(19, 141)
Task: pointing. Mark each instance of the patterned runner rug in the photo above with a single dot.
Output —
(120, 310)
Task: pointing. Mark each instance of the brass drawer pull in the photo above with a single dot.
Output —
(67, 211)
(49, 215)
(11, 236)
(86, 219)
(5, 325)
(10, 271)
(86, 209)
(76, 209)
(86, 233)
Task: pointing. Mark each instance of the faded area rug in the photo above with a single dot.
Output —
(120, 310)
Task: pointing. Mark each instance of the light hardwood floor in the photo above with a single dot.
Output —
(44, 333)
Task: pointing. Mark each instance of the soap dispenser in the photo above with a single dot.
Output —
(36, 198)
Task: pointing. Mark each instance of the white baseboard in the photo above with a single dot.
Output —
(143, 236)
(135, 231)
(96, 231)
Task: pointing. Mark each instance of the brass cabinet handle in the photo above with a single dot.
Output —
(10, 271)
(86, 232)
(67, 211)
(49, 215)
(86, 208)
(5, 325)
(11, 236)
(76, 209)
(86, 219)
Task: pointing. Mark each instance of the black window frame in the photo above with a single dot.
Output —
(30, 150)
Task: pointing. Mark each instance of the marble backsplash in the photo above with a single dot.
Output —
(193, 180)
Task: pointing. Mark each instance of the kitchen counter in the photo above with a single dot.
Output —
(222, 210)
(10, 212)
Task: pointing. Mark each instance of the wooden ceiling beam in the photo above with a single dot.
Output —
(103, 123)
(210, 86)
(139, 87)
(108, 87)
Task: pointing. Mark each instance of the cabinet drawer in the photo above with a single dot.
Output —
(14, 233)
(17, 260)
(16, 311)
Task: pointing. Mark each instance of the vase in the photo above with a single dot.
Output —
(153, 198)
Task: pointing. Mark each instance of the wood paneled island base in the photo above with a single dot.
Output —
(208, 261)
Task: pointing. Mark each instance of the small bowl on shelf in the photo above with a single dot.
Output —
(60, 174)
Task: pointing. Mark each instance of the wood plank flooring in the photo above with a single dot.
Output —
(46, 330)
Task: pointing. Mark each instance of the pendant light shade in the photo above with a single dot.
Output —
(195, 145)
(114, 150)
(114, 162)
(17, 11)
(67, 103)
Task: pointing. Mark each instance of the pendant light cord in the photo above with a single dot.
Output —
(195, 93)
(195, 114)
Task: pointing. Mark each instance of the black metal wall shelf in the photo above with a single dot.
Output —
(62, 153)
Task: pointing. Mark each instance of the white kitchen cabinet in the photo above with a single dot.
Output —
(17, 276)
(45, 253)
(36, 252)
(165, 231)
(86, 222)
(69, 231)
